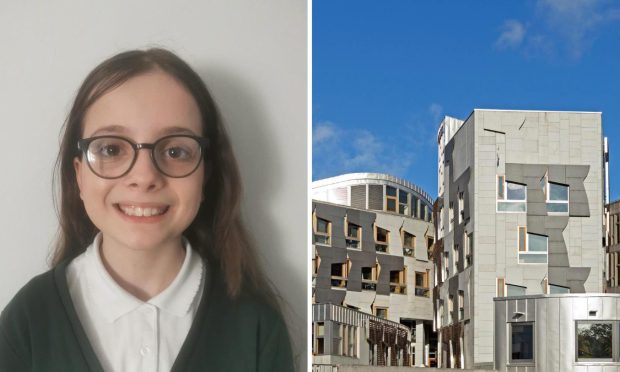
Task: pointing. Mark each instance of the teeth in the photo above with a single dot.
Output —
(142, 212)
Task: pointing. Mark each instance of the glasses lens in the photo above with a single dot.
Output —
(177, 156)
(109, 156)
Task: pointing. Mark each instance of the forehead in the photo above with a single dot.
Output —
(144, 107)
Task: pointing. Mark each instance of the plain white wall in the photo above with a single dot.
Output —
(253, 57)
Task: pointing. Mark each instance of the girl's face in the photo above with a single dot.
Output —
(143, 110)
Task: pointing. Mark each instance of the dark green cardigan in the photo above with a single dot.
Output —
(40, 331)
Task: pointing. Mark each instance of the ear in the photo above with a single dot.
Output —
(77, 166)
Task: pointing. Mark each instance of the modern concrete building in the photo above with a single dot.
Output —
(519, 213)
(371, 238)
(612, 247)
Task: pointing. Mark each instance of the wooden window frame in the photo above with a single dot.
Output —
(350, 239)
(328, 235)
(390, 197)
(408, 251)
(375, 313)
(423, 290)
(461, 295)
(381, 247)
(399, 287)
(500, 287)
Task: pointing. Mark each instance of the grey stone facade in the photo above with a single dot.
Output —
(370, 276)
(479, 159)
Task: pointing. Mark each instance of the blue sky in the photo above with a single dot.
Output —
(386, 72)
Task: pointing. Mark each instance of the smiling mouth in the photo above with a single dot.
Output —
(134, 211)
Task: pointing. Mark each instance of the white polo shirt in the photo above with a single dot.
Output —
(126, 333)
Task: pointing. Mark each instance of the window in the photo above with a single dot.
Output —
(353, 235)
(429, 245)
(381, 312)
(457, 257)
(440, 224)
(350, 340)
(594, 341)
(382, 239)
(461, 305)
(340, 274)
(451, 216)
(403, 204)
(440, 314)
(451, 308)
(398, 281)
(322, 231)
(408, 244)
(511, 196)
(446, 262)
(461, 207)
(316, 262)
(521, 342)
(319, 342)
(532, 247)
(558, 289)
(390, 199)
(557, 198)
(369, 278)
(515, 290)
(467, 246)
(421, 284)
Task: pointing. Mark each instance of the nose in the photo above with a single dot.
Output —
(143, 175)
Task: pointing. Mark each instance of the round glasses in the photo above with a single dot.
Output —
(175, 156)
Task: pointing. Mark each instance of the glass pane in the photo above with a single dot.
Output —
(594, 340)
(522, 238)
(390, 191)
(402, 196)
(536, 243)
(321, 226)
(553, 289)
(526, 258)
(367, 273)
(321, 239)
(500, 187)
(510, 207)
(515, 290)
(353, 230)
(391, 205)
(557, 207)
(382, 235)
(558, 192)
(514, 191)
(522, 341)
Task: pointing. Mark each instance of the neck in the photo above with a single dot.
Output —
(142, 272)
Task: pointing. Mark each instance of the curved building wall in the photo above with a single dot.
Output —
(570, 332)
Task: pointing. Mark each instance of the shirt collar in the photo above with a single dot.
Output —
(113, 301)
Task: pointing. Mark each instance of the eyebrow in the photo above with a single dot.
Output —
(123, 130)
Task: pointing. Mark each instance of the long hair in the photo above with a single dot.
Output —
(217, 232)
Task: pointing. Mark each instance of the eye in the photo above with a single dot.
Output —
(109, 150)
(179, 153)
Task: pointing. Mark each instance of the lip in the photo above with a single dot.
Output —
(142, 219)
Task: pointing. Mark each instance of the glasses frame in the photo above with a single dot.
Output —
(84, 143)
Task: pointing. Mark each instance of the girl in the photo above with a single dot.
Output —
(153, 270)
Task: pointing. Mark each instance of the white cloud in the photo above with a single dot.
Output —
(565, 26)
(436, 110)
(323, 131)
(512, 35)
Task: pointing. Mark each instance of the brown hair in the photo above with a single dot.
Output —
(217, 232)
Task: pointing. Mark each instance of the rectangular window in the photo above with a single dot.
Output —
(451, 308)
(390, 199)
(429, 245)
(369, 278)
(322, 230)
(340, 274)
(319, 342)
(536, 248)
(457, 257)
(381, 312)
(353, 235)
(440, 314)
(461, 305)
(382, 239)
(446, 262)
(461, 207)
(557, 198)
(316, 262)
(408, 244)
(421, 284)
(451, 216)
(467, 246)
(398, 281)
(511, 196)
(515, 290)
(594, 341)
(558, 289)
(521, 342)
(403, 202)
